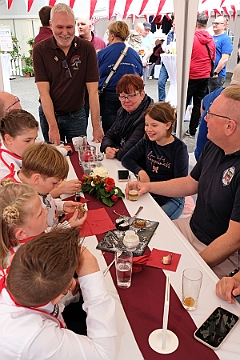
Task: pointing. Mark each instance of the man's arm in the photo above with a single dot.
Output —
(48, 109)
(147, 55)
(92, 88)
(223, 246)
(178, 187)
(222, 62)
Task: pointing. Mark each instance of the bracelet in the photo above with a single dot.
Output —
(232, 273)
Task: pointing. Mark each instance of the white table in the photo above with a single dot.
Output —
(168, 237)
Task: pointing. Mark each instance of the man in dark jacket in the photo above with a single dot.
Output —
(128, 127)
(203, 55)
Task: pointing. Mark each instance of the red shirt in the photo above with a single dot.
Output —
(44, 33)
(200, 66)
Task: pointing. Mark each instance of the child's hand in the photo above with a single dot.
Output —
(70, 206)
(76, 220)
(87, 263)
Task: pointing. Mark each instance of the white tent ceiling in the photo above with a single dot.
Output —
(121, 8)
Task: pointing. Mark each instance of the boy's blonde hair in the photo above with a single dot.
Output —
(15, 209)
(45, 160)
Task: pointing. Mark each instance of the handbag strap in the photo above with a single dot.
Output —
(208, 50)
(114, 68)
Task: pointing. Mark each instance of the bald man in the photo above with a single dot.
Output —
(223, 51)
(84, 26)
(8, 102)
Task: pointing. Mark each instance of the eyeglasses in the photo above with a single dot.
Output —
(212, 114)
(128, 97)
(65, 66)
(217, 23)
(17, 101)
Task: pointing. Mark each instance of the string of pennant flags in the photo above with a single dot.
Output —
(125, 8)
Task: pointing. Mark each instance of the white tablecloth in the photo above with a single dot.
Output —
(169, 60)
(167, 237)
(5, 68)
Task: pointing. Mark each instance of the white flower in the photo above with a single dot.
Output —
(115, 191)
(100, 171)
(92, 184)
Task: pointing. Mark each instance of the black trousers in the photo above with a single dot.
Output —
(197, 89)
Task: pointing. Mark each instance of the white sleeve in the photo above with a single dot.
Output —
(59, 204)
(55, 343)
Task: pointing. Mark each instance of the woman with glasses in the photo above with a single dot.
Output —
(128, 127)
(118, 32)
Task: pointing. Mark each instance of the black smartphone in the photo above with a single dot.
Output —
(237, 297)
(123, 175)
(216, 328)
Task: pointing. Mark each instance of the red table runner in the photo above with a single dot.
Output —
(143, 302)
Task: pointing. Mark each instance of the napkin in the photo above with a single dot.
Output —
(98, 222)
(155, 259)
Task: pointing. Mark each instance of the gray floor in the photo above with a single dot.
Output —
(26, 90)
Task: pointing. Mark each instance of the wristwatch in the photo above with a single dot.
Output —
(232, 273)
(215, 73)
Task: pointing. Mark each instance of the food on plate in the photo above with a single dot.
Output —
(140, 223)
(166, 260)
(123, 226)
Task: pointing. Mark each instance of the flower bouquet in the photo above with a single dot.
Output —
(99, 184)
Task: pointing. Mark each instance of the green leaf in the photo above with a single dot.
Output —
(107, 201)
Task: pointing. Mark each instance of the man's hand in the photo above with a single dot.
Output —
(97, 133)
(111, 152)
(87, 263)
(228, 286)
(142, 188)
(53, 134)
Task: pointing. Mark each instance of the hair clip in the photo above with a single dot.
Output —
(55, 58)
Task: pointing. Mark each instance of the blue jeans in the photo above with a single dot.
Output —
(109, 105)
(69, 125)
(173, 207)
(162, 79)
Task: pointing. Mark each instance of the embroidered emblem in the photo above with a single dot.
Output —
(75, 61)
(228, 175)
(55, 58)
(155, 169)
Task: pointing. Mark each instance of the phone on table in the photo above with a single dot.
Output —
(123, 175)
(216, 328)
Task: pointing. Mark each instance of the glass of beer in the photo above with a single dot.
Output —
(191, 285)
(133, 187)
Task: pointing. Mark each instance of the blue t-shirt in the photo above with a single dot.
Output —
(131, 64)
(203, 130)
(223, 46)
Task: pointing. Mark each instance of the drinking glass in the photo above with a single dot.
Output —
(123, 263)
(133, 187)
(191, 285)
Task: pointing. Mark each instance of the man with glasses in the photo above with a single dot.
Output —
(63, 66)
(128, 127)
(223, 51)
(8, 102)
(214, 227)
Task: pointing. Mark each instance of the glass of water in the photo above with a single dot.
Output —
(123, 263)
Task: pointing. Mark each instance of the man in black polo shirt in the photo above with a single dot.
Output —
(214, 228)
(63, 65)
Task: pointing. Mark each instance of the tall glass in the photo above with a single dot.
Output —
(123, 263)
(191, 285)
